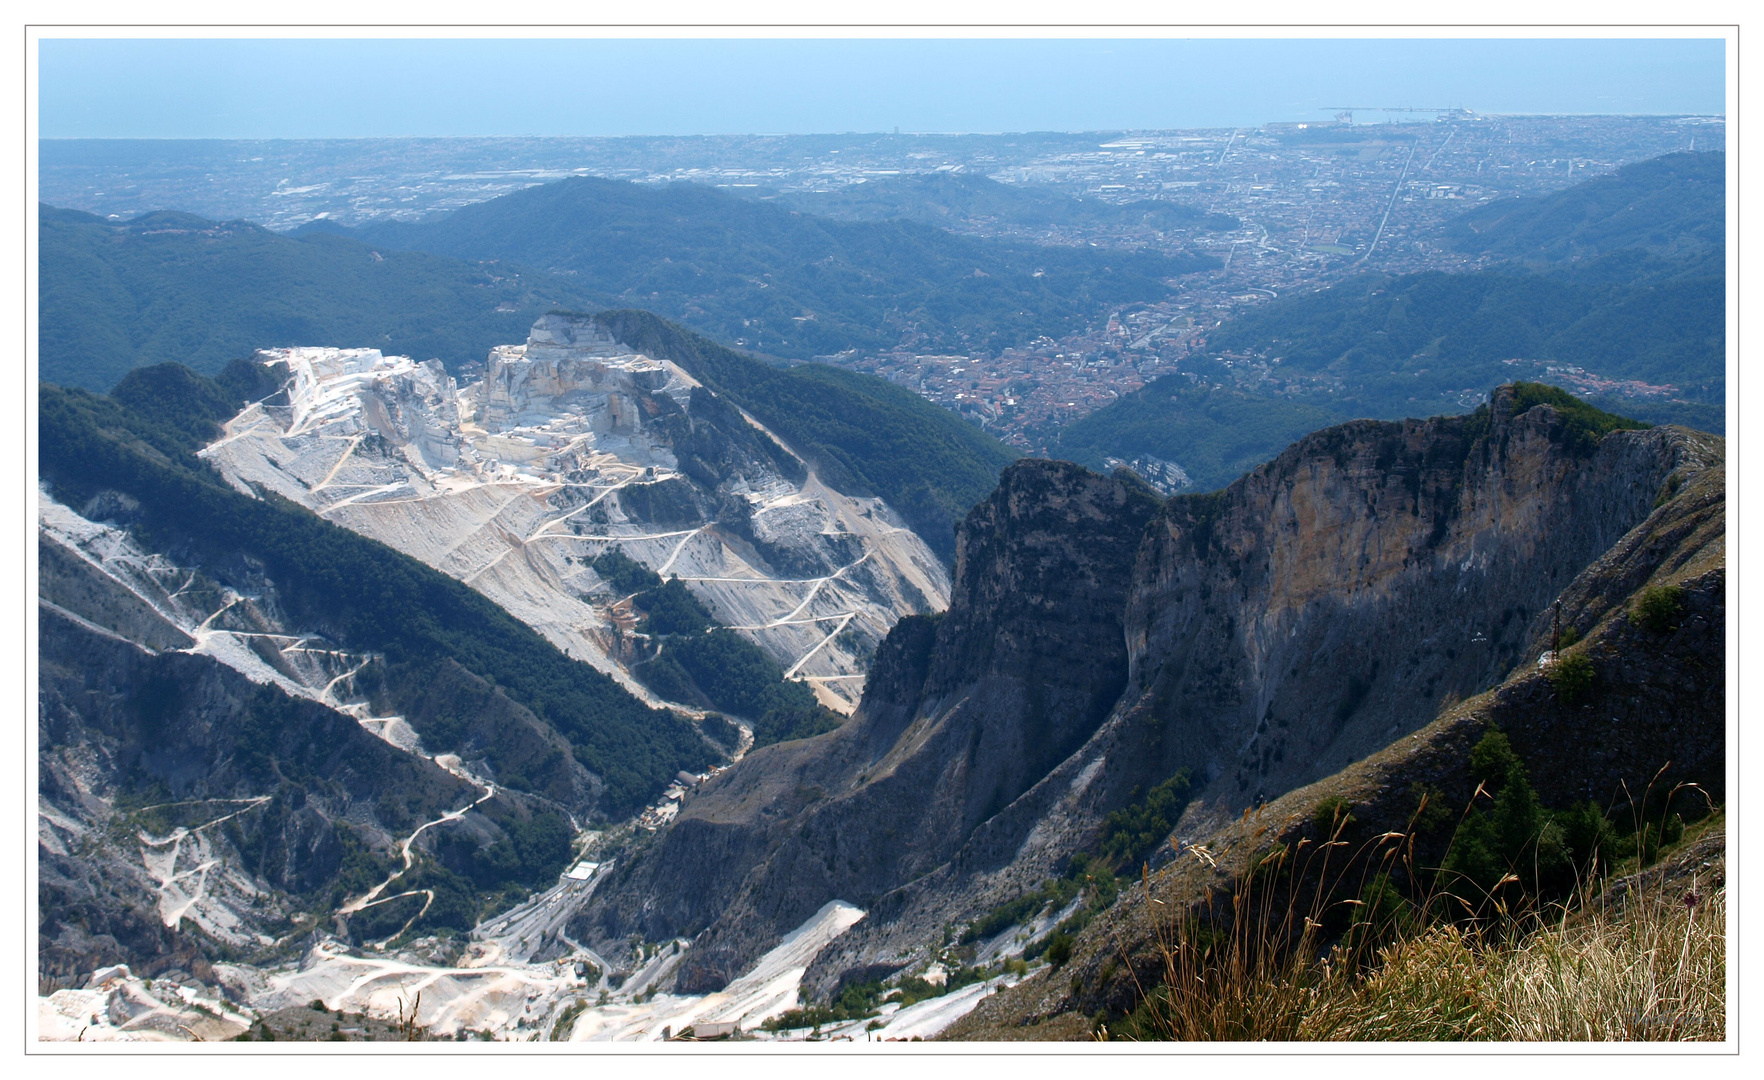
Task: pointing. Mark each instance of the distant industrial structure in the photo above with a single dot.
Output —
(1344, 114)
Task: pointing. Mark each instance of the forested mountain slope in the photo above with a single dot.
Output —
(970, 199)
(787, 283)
(1673, 206)
(175, 287)
(864, 435)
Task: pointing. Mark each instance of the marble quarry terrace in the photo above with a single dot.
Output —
(513, 485)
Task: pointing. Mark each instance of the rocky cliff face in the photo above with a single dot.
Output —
(1655, 712)
(1338, 596)
(965, 713)
(572, 360)
(1263, 636)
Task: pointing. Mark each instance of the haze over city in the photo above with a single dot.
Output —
(294, 88)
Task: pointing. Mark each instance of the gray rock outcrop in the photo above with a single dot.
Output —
(1263, 636)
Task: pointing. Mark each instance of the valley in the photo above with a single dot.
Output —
(573, 446)
(1096, 638)
(446, 633)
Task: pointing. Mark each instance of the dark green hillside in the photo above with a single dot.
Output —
(1216, 433)
(1629, 285)
(864, 435)
(169, 286)
(1674, 205)
(364, 594)
(1385, 348)
(791, 284)
(1393, 339)
(947, 197)
(700, 661)
(1586, 424)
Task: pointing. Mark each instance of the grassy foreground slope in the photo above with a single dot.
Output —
(175, 287)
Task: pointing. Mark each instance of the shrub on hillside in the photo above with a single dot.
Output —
(1572, 677)
(1656, 607)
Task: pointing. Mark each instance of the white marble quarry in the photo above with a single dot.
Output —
(515, 483)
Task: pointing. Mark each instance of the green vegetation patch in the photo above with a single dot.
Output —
(1084, 875)
(625, 574)
(1333, 813)
(1572, 676)
(1656, 607)
(1586, 424)
(855, 1001)
(670, 608)
(1131, 833)
(698, 660)
(1514, 846)
(1215, 433)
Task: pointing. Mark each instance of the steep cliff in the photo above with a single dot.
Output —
(1653, 714)
(1336, 597)
(1261, 637)
(1322, 607)
(966, 712)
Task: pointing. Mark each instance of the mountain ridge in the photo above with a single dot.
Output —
(168, 286)
(761, 276)
(1655, 715)
(1494, 483)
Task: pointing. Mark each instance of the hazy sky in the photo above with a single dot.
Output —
(353, 88)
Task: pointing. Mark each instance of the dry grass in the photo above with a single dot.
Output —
(1429, 988)
(1655, 971)
(1651, 967)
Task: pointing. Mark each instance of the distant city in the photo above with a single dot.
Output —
(1359, 190)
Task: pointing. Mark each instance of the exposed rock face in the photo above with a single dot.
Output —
(1336, 597)
(567, 361)
(1320, 608)
(1656, 707)
(1317, 610)
(571, 444)
(964, 715)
